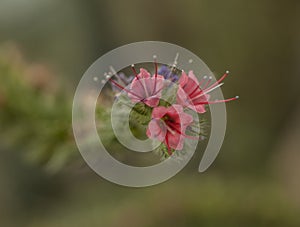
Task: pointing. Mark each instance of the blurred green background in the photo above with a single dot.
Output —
(45, 47)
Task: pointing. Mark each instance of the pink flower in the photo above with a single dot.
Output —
(191, 95)
(146, 89)
(168, 125)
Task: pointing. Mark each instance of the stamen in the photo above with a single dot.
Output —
(202, 80)
(217, 101)
(107, 76)
(220, 80)
(134, 71)
(207, 83)
(206, 91)
(171, 130)
(145, 88)
(173, 65)
(121, 87)
(213, 88)
(196, 88)
(155, 64)
(119, 79)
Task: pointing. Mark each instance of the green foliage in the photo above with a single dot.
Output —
(104, 125)
(162, 151)
(35, 117)
(141, 113)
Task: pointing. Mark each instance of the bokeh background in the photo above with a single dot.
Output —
(45, 47)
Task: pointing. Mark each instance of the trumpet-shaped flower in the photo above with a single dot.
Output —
(168, 125)
(194, 94)
(146, 88)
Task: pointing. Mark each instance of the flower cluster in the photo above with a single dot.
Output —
(168, 120)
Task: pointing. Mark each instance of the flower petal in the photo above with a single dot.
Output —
(144, 74)
(175, 141)
(159, 112)
(152, 101)
(156, 130)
